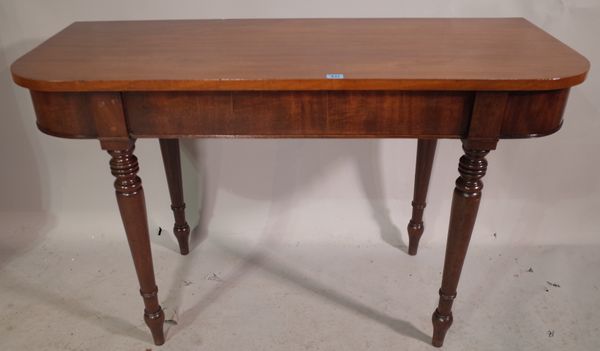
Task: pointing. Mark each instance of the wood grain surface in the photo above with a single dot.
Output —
(297, 54)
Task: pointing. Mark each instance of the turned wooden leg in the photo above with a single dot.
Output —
(130, 197)
(171, 159)
(425, 154)
(465, 202)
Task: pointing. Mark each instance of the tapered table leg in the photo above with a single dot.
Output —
(425, 154)
(130, 197)
(172, 162)
(465, 203)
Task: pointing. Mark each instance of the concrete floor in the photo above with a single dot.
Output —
(68, 291)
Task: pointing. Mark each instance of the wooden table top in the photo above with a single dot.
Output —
(298, 54)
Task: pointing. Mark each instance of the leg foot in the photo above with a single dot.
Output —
(155, 319)
(425, 154)
(441, 322)
(415, 231)
(172, 162)
(465, 203)
(182, 234)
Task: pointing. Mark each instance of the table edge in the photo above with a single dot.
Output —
(300, 84)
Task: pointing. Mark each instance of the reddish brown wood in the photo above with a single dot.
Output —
(296, 54)
(65, 115)
(425, 155)
(533, 114)
(130, 198)
(465, 203)
(486, 121)
(109, 117)
(172, 162)
(299, 114)
(487, 116)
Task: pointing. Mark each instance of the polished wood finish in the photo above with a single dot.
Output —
(284, 114)
(533, 114)
(483, 134)
(425, 154)
(298, 114)
(465, 203)
(65, 115)
(130, 198)
(296, 54)
(171, 158)
(478, 80)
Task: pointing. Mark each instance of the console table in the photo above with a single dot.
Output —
(477, 80)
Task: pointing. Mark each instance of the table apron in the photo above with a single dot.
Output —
(319, 114)
(299, 114)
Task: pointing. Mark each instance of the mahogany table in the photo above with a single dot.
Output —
(477, 80)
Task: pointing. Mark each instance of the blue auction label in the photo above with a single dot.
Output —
(334, 76)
